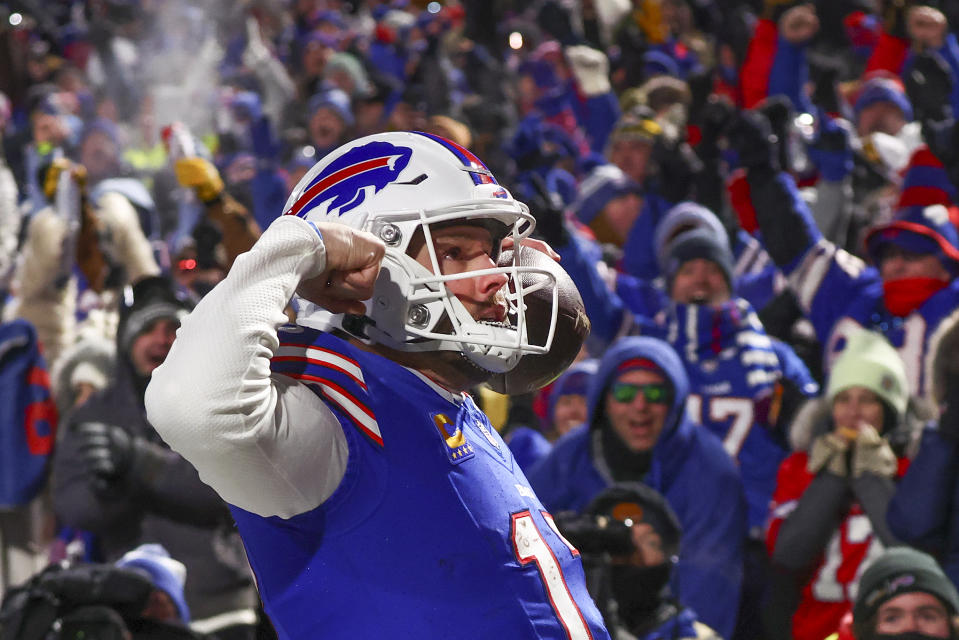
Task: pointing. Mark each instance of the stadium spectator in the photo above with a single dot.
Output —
(638, 431)
(828, 513)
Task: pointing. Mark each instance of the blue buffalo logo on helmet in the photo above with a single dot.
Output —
(345, 182)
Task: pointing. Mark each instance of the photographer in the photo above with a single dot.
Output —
(630, 537)
(638, 431)
(138, 598)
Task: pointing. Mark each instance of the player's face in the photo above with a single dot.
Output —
(150, 348)
(638, 421)
(855, 407)
(464, 248)
(699, 281)
(570, 410)
(917, 612)
(896, 264)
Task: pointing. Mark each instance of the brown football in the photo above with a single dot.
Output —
(572, 326)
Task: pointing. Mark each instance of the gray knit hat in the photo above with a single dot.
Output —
(699, 243)
(147, 301)
(902, 570)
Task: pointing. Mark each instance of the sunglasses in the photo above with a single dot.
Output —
(624, 392)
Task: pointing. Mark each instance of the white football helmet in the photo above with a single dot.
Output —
(393, 185)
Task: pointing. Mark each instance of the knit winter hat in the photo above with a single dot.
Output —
(685, 216)
(902, 570)
(603, 184)
(150, 299)
(638, 124)
(167, 574)
(869, 361)
(883, 89)
(335, 100)
(699, 243)
(924, 219)
(348, 63)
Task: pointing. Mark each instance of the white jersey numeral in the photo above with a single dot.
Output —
(723, 408)
(530, 547)
(827, 587)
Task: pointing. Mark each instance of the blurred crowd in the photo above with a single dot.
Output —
(757, 200)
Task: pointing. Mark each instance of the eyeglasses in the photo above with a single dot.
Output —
(657, 392)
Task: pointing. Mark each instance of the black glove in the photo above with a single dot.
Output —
(111, 456)
(825, 94)
(718, 114)
(894, 17)
(548, 211)
(700, 89)
(675, 167)
(929, 87)
(752, 138)
(779, 111)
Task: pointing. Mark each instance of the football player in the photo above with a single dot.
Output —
(374, 498)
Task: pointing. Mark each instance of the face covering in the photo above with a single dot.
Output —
(638, 590)
(905, 295)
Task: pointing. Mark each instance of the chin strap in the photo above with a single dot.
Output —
(905, 295)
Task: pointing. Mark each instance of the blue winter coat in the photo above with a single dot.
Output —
(689, 467)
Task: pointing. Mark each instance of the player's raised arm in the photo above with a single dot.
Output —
(215, 401)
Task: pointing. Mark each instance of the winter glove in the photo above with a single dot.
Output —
(825, 94)
(200, 175)
(831, 150)
(716, 117)
(894, 17)
(752, 138)
(52, 177)
(928, 84)
(828, 452)
(590, 68)
(779, 112)
(649, 18)
(111, 456)
(548, 211)
(256, 52)
(675, 168)
(872, 454)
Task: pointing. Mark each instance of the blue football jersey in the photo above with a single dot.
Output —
(433, 532)
(736, 375)
(841, 295)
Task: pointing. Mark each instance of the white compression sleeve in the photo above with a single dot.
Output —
(265, 442)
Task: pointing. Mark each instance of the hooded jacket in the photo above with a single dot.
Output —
(167, 504)
(688, 466)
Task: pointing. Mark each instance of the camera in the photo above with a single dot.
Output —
(595, 534)
(90, 623)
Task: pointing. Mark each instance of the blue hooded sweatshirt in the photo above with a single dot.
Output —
(688, 466)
